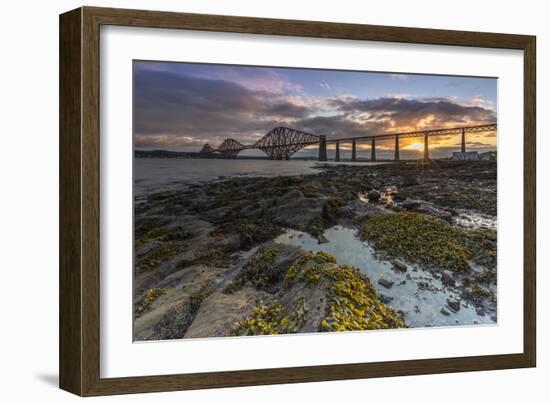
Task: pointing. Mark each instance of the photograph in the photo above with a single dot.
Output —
(273, 200)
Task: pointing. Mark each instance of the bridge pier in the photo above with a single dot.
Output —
(463, 141)
(322, 148)
(396, 155)
(426, 149)
(337, 155)
(373, 149)
(353, 151)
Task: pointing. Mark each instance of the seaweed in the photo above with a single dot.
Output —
(212, 257)
(430, 241)
(151, 259)
(250, 232)
(272, 318)
(353, 302)
(152, 233)
(150, 296)
(259, 272)
(308, 268)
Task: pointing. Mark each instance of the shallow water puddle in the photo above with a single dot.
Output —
(417, 293)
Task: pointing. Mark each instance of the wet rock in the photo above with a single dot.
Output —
(428, 209)
(447, 280)
(386, 299)
(445, 215)
(480, 311)
(292, 195)
(409, 180)
(410, 204)
(399, 266)
(453, 303)
(373, 195)
(322, 239)
(398, 197)
(385, 282)
(444, 311)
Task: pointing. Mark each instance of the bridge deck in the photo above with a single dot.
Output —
(420, 133)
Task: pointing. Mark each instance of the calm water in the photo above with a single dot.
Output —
(157, 174)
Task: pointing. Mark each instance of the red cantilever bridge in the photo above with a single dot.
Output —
(281, 142)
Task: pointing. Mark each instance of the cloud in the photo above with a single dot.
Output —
(406, 113)
(339, 126)
(173, 110)
(173, 107)
(324, 85)
(478, 100)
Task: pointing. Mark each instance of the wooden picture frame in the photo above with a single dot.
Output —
(79, 201)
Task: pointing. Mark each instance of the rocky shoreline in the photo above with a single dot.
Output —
(206, 264)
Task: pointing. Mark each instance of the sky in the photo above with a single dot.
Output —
(182, 106)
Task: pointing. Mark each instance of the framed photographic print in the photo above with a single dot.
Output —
(250, 201)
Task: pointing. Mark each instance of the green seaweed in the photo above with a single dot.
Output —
(430, 241)
(477, 294)
(176, 234)
(259, 271)
(212, 257)
(151, 259)
(153, 233)
(250, 232)
(273, 318)
(352, 303)
(308, 268)
(150, 296)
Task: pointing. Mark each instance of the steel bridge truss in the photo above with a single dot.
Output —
(230, 148)
(206, 149)
(279, 144)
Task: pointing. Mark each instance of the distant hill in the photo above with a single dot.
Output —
(164, 154)
(188, 155)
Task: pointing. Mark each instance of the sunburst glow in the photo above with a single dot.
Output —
(415, 146)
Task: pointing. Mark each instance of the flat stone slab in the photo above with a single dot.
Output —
(399, 266)
(385, 282)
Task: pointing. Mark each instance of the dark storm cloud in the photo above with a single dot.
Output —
(339, 126)
(407, 112)
(179, 105)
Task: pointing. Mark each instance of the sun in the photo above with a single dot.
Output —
(416, 146)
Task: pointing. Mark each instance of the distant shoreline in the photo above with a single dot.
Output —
(197, 155)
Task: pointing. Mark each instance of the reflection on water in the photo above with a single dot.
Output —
(417, 293)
